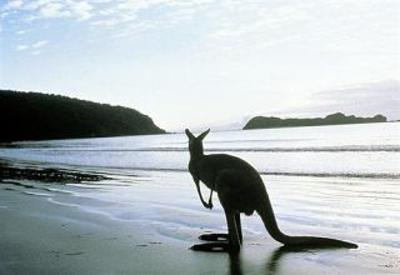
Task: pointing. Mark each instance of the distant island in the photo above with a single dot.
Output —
(260, 122)
(37, 116)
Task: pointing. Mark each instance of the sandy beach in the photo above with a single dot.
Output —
(145, 224)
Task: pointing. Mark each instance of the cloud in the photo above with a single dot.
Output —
(53, 10)
(13, 4)
(39, 44)
(82, 10)
(105, 22)
(21, 32)
(22, 47)
(44, 9)
(366, 99)
(100, 1)
(36, 47)
(106, 12)
(37, 52)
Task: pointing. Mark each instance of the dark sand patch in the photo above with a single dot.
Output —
(46, 174)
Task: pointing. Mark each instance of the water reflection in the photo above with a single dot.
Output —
(277, 255)
(235, 266)
(273, 261)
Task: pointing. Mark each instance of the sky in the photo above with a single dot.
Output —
(208, 63)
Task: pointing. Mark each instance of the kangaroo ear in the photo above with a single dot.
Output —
(189, 134)
(203, 135)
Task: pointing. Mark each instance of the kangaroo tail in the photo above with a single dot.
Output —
(268, 217)
(317, 242)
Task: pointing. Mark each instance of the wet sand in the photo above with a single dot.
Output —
(145, 225)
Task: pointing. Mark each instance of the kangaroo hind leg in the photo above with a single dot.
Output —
(213, 237)
(233, 240)
(239, 227)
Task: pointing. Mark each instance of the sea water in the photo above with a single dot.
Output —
(357, 151)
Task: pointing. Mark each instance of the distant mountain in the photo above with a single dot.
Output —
(333, 119)
(36, 116)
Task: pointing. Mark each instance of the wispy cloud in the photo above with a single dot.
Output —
(229, 26)
(124, 15)
(37, 52)
(21, 32)
(22, 47)
(13, 4)
(39, 44)
(82, 10)
(43, 9)
(36, 47)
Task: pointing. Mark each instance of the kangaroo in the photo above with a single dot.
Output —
(240, 189)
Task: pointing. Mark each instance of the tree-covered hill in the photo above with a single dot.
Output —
(37, 116)
(260, 122)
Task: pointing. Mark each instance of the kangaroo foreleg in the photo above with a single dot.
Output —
(208, 205)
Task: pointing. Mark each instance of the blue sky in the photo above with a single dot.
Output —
(198, 63)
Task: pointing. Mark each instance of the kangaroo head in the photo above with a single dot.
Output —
(196, 143)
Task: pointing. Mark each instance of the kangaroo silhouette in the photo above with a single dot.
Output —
(240, 189)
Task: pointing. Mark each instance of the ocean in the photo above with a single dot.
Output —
(348, 151)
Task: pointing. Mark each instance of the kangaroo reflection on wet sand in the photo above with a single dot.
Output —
(272, 263)
(235, 264)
